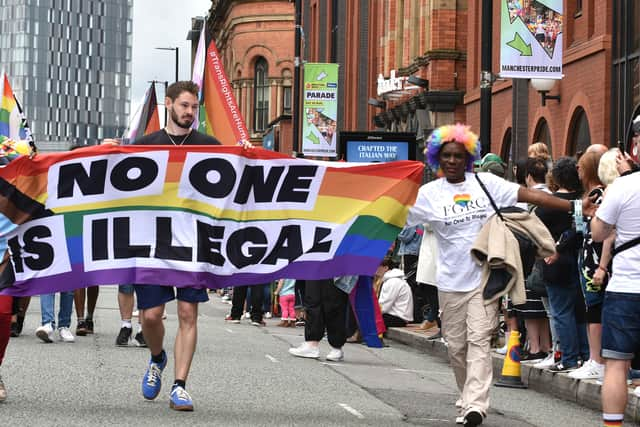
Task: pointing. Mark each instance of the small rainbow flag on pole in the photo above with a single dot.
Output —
(12, 123)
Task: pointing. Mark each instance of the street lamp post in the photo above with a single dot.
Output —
(177, 50)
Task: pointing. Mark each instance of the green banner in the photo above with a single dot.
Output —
(320, 110)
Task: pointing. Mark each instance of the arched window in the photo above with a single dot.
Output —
(261, 96)
(506, 153)
(580, 138)
(543, 134)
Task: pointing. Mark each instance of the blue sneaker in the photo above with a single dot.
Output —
(180, 399)
(152, 380)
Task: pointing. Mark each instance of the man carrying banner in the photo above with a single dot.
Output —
(181, 102)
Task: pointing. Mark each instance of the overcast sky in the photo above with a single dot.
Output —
(161, 23)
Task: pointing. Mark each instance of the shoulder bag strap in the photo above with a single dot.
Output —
(493, 203)
(624, 246)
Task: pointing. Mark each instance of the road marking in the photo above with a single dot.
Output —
(331, 364)
(229, 330)
(417, 371)
(351, 410)
(271, 358)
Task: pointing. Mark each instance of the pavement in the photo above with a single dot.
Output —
(582, 392)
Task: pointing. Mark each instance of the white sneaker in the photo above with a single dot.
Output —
(3, 391)
(268, 315)
(547, 362)
(305, 350)
(502, 350)
(45, 333)
(335, 355)
(591, 370)
(65, 335)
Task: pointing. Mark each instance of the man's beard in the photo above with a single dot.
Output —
(176, 120)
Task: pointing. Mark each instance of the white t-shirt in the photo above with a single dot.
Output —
(620, 207)
(457, 212)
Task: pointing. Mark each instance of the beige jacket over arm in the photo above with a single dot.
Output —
(497, 247)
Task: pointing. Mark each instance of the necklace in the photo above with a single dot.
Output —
(183, 139)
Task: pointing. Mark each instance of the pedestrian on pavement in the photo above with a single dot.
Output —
(46, 332)
(560, 271)
(238, 300)
(620, 321)
(325, 310)
(20, 306)
(286, 295)
(90, 296)
(396, 299)
(181, 102)
(410, 239)
(457, 207)
(125, 305)
(6, 306)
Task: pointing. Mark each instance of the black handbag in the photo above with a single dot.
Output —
(535, 280)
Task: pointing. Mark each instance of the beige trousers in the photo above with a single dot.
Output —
(467, 325)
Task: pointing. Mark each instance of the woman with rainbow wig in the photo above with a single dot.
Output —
(456, 208)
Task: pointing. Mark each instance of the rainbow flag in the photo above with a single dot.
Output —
(147, 121)
(195, 216)
(219, 114)
(12, 124)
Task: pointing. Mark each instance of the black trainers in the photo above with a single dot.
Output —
(123, 337)
(560, 367)
(473, 418)
(139, 340)
(14, 330)
(81, 329)
(89, 323)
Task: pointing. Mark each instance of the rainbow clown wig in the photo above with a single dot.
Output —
(451, 133)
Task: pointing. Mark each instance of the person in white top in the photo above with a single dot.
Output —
(396, 299)
(456, 206)
(618, 214)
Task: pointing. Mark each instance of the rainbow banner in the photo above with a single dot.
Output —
(195, 216)
(11, 119)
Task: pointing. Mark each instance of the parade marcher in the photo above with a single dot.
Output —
(47, 307)
(126, 302)
(181, 102)
(457, 207)
(286, 290)
(20, 306)
(325, 309)
(90, 296)
(620, 322)
(6, 305)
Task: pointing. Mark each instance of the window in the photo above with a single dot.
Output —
(580, 135)
(286, 99)
(543, 134)
(261, 96)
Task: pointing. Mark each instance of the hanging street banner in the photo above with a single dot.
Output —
(531, 39)
(194, 216)
(320, 110)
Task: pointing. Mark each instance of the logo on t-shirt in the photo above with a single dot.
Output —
(462, 199)
(464, 209)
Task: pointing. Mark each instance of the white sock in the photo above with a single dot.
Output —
(126, 323)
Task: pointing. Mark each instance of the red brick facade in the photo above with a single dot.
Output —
(585, 87)
(246, 31)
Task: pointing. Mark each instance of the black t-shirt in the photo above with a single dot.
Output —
(160, 138)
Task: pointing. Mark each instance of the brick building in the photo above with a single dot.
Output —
(378, 45)
(256, 41)
(439, 41)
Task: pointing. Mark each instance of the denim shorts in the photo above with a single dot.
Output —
(150, 296)
(620, 325)
(125, 289)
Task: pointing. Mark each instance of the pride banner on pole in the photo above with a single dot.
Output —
(195, 216)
